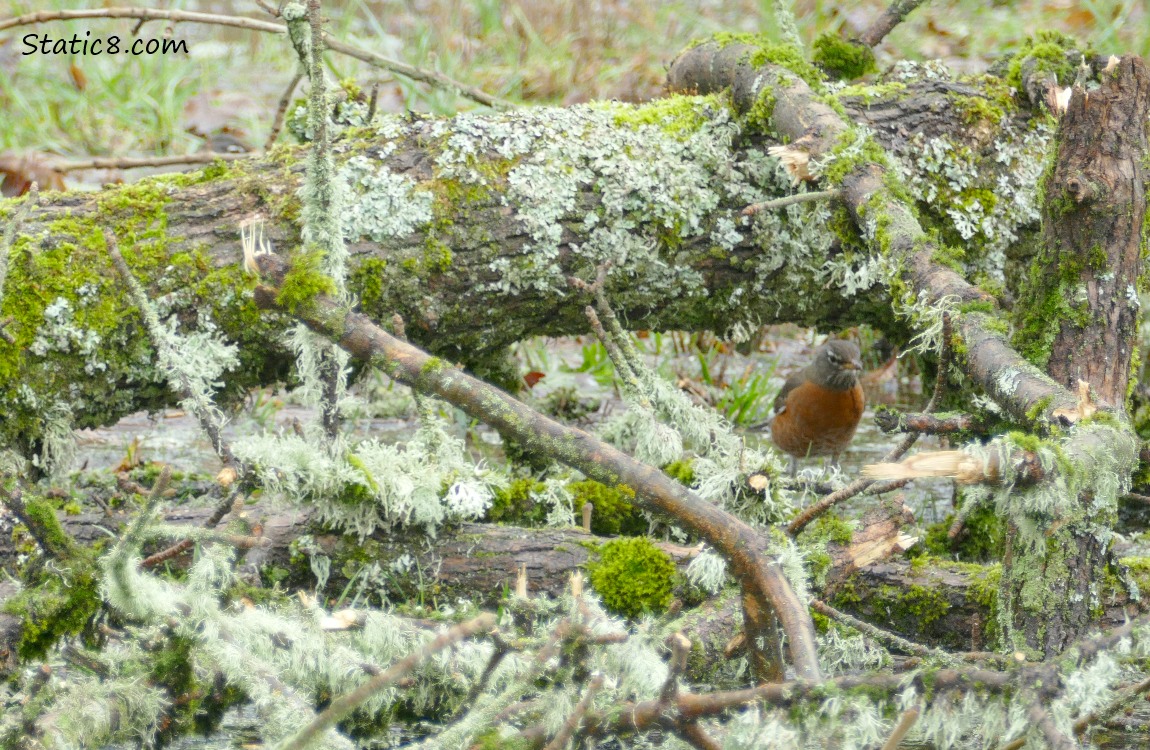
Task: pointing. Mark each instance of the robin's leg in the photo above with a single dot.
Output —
(794, 466)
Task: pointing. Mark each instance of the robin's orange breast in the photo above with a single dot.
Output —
(817, 421)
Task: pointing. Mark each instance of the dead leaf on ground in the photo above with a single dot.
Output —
(19, 170)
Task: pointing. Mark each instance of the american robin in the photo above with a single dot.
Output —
(819, 407)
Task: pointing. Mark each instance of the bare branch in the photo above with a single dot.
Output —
(348, 702)
(905, 723)
(790, 200)
(885, 23)
(208, 157)
(182, 16)
(281, 111)
(748, 551)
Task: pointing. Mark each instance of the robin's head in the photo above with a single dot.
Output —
(837, 365)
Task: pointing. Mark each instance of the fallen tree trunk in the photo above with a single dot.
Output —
(469, 228)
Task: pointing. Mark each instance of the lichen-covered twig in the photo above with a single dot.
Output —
(50, 538)
(789, 200)
(1113, 706)
(345, 704)
(431, 77)
(885, 23)
(190, 385)
(226, 506)
(748, 552)
(885, 637)
(788, 29)
(147, 161)
(572, 723)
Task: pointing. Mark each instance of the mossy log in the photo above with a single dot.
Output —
(473, 562)
(470, 227)
(935, 602)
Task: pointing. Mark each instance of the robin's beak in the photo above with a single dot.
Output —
(853, 364)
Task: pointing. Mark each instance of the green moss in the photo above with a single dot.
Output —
(826, 530)
(787, 57)
(994, 101)
(677, 116)
(633, 577)
(367, 282)
(94, 336)
(48, 529)
(516, 504)
(492, 739)
(681, 471)
(1035, 412)
(841, 164)
(951, 256)
(56, 606)
(614, 511)
(758, 118)
(871, 93)
(829, 527)
(843, 59)
(1052, 297)
(304, 282)
(982, 538)
(1049, 52)
(915, 603)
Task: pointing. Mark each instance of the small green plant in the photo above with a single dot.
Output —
(597, 364)
(614, 512)
(633, 577)
(515, 504)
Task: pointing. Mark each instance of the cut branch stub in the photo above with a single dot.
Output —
(749, 553)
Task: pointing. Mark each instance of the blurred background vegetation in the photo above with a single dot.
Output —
(533, 51)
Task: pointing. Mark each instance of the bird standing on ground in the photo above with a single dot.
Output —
(819, 407)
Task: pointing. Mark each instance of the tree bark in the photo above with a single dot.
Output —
(467, 228)
(1085, 283)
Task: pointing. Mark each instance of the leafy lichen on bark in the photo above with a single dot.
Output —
(483, 214)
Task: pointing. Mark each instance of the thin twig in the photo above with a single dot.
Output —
(572, 723)
(680, 650)
(502, 649)
(960, 517)
(790, 200)
(1112, 706)
(371, 58)
(814, 511)
(885, 23)
(228, 504)
(885, 637)
(207, 157)
(281, 111)
(891, 420)
(348, 702)
(905, 723)
(210, 422)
